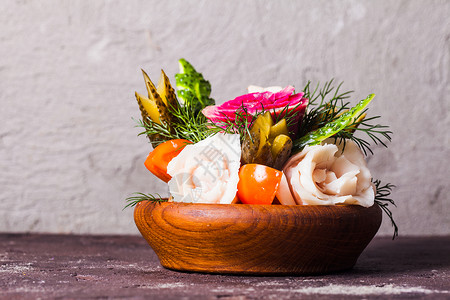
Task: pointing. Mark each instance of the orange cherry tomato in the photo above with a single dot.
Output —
(258, 184)
(160, 157)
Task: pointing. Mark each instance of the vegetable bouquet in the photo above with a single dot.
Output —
(271, 146)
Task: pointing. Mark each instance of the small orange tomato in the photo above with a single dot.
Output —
(160, 157)
(258, 184)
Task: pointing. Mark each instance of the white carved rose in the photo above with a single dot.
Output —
(324, 175)
(206, 172)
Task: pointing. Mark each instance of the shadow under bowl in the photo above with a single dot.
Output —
(257, 239)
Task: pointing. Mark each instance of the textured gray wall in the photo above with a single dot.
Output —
(69, 154)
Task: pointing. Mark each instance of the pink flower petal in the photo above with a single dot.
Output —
(256, 102)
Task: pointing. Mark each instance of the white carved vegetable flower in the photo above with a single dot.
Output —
(206, 172)
(324, 175)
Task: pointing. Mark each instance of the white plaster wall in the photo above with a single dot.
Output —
(69, 154)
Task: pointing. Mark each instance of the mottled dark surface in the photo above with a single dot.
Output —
(125, 267)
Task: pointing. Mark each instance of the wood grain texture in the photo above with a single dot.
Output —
(257, 239)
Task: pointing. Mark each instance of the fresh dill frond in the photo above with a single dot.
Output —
(375, 132)
(323, 106)
(323, 96)
(188, 125)
(289, 113)
(191, 125)
(139, 197)
(242, 122)
(383, 200)
(152, 128)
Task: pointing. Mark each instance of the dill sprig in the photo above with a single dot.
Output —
(319, 97)
(382, 199)
(289, 114)
(188, 124)
(153, 128)
(191, 125)
(374, 131)
(139, 197)
(241, 123)
(323, 106)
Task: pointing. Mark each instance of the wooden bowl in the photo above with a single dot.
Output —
(257, 239)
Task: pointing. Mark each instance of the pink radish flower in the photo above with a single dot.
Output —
(277, 103)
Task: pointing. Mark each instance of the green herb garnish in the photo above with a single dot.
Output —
(382, 199)
(139, 197)
(189, 125)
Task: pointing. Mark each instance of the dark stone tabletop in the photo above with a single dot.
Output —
(40, 266)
